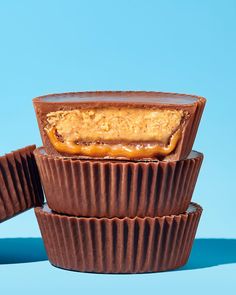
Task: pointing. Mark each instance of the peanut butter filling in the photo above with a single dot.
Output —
(114, 150)
(115, 132)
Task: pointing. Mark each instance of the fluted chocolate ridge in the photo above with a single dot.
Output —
(128, 245)
(106, 188)
(20, 187)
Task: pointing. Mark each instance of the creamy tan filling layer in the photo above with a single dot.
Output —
(124, 132)
(115, 124)
(114, 150)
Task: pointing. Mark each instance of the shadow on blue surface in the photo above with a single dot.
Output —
(205, 252)
(211, 252)
(21, 250)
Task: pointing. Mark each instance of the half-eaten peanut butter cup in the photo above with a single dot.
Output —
(126, 125)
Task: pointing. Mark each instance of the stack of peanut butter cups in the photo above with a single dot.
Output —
(118, 173)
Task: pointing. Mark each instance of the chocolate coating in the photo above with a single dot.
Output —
(119, 97)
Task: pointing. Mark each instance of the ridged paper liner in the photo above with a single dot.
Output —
(194, 108)
(117, 188)
(116, 245)
(20, 187)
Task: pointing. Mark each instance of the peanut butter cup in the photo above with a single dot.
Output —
(128, 245)
(115, 188)
(126, 125)
(20, 187)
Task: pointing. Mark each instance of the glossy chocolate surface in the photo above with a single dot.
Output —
(119, 96)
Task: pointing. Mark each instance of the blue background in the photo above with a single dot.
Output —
(178, 46)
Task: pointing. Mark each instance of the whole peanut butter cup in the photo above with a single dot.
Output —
(128, 245)
(20, 187)
(115, 188)
(129, 125)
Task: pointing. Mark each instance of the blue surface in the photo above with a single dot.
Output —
(179, 46)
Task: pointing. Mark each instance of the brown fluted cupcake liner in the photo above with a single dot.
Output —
(118, 188)
(20, 187)
(128, 245)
